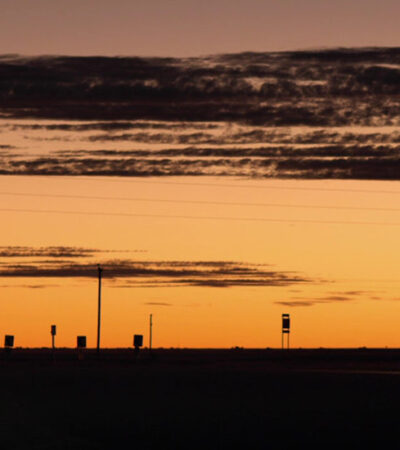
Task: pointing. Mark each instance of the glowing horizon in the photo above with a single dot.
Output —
(335, 278)
(218, 193)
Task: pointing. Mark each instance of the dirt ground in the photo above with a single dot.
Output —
(199, 399)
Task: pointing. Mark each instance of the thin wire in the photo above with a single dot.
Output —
(223, 218)
(197, 202)
(288, 188)
(113, 179)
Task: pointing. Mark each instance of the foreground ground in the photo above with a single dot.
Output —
(192, 399)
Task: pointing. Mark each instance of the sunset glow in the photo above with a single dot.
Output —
(342, 288)
(245, 172)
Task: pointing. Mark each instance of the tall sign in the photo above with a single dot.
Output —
(285, 329)
(53, 332)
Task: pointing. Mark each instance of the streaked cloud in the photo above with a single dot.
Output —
(333, 297)
(28, 286)
(329, 162)
(309, 115)
(318, 88)
(54, 252)
(158, 304)
(157, 273)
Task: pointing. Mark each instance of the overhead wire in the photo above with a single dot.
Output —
(198, 202)
(113, 179)
(222, 218)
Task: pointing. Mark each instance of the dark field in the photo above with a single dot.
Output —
(196, 399)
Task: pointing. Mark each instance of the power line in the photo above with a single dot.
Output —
(288, 188)
(198, 202)
(127, 179)
(223, 218)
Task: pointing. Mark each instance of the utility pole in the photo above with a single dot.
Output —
(100, 270)
(151, 331)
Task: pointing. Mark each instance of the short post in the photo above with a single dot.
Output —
(137, 343)
(285, 329)
(8, 343)
(81, 345)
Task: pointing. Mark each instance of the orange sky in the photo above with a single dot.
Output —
(339, 258)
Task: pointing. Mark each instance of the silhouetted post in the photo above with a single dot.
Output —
(100, 270)
(285, 329)
(8, 343)
(80, 345)
(137, 343)
(151, 331)
(53, 332)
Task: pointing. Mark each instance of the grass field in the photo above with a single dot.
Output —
(196, 399)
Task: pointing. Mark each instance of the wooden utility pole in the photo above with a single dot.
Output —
(100, 270)
(151, 331)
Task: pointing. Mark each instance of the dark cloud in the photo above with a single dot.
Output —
(327, 162)
(29, 286)
(336, 298)
(340, 297)
(110, 126)
(333, 87)
(355, 293)
(296, 303)
(315, 301)
(224, 115)
(57, 252)
(280, 152)
(342, 143)
(158, 304)
(52, 252)
(161, 273)
(158, 138)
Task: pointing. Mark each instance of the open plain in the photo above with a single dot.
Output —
(192, 399)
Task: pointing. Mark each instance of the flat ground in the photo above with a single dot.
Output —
(199, 399)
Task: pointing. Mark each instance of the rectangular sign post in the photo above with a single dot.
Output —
(8, 344)
(81, 341)
(285, 329)
(53, 332)
(81, 345)
(8, 341)
(138, 341)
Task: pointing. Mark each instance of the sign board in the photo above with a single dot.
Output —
(285, 323)
(8, 341)
(81, 341)
(138, 340)
(53, 330)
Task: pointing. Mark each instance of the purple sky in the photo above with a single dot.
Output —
(193, 27)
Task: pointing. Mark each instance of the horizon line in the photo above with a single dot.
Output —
(323, 49)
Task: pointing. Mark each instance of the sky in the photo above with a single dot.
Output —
(217, 192)
(192, 28)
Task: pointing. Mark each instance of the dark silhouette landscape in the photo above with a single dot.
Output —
(194, 399)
